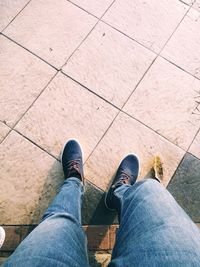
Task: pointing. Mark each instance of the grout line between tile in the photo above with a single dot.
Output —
(189, 7)
(17, 15)
(158, 54)
(82, 85)
(31, 141)
(42, 91)
(119, 110)
(193, 140)
(79, 45)
(57, 159)
(175, 29)
(184, 3)
(103, 21)
(103, 135)
(139, 81)
(24, 136)
(10, 129)
(94, 185)
(71, 2)
(153, 130)
(38, 146)
(99, 19)
(29, 51)
(173, 63)
(172, 176)
(193, 155)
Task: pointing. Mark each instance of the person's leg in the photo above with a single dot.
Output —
(154, 230)
(59, 239)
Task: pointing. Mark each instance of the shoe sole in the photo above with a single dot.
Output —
(3, 235)
(116, 171)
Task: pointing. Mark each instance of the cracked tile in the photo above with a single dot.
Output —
(30, 179)
(183, 49)
(66, 110)
(9, 9)
(22, 78)
(126, 136)
(51, 30)
(109, 64)
(165, 100)
(149, 22)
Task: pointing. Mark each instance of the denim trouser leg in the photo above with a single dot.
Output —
(59, 239)
(154, 230)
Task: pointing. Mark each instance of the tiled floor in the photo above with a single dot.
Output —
(118, 76)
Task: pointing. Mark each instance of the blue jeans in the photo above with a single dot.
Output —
(154, 231)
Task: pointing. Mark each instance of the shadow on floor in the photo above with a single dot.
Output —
(94, 211)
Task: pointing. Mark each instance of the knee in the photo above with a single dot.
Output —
(152, 185)
(147, 188)
(60, 219)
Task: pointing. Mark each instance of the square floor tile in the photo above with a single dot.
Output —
(29, 180)
(195, 148)
(9, 9)
(51, 30)
(22, 78)
(109, 63)
(185, 186)
(67, 110)
(149, 22)
(95, 7)
(126, 136)
(184, 47)
(165, 101)
(4, 130)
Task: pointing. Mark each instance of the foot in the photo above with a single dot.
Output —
(71, 159)
(127, 173)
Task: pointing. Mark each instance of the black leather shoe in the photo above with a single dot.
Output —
(71, 159)
(127, 173)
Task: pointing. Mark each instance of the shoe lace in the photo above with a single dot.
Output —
(73, 165)
(124, 179)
